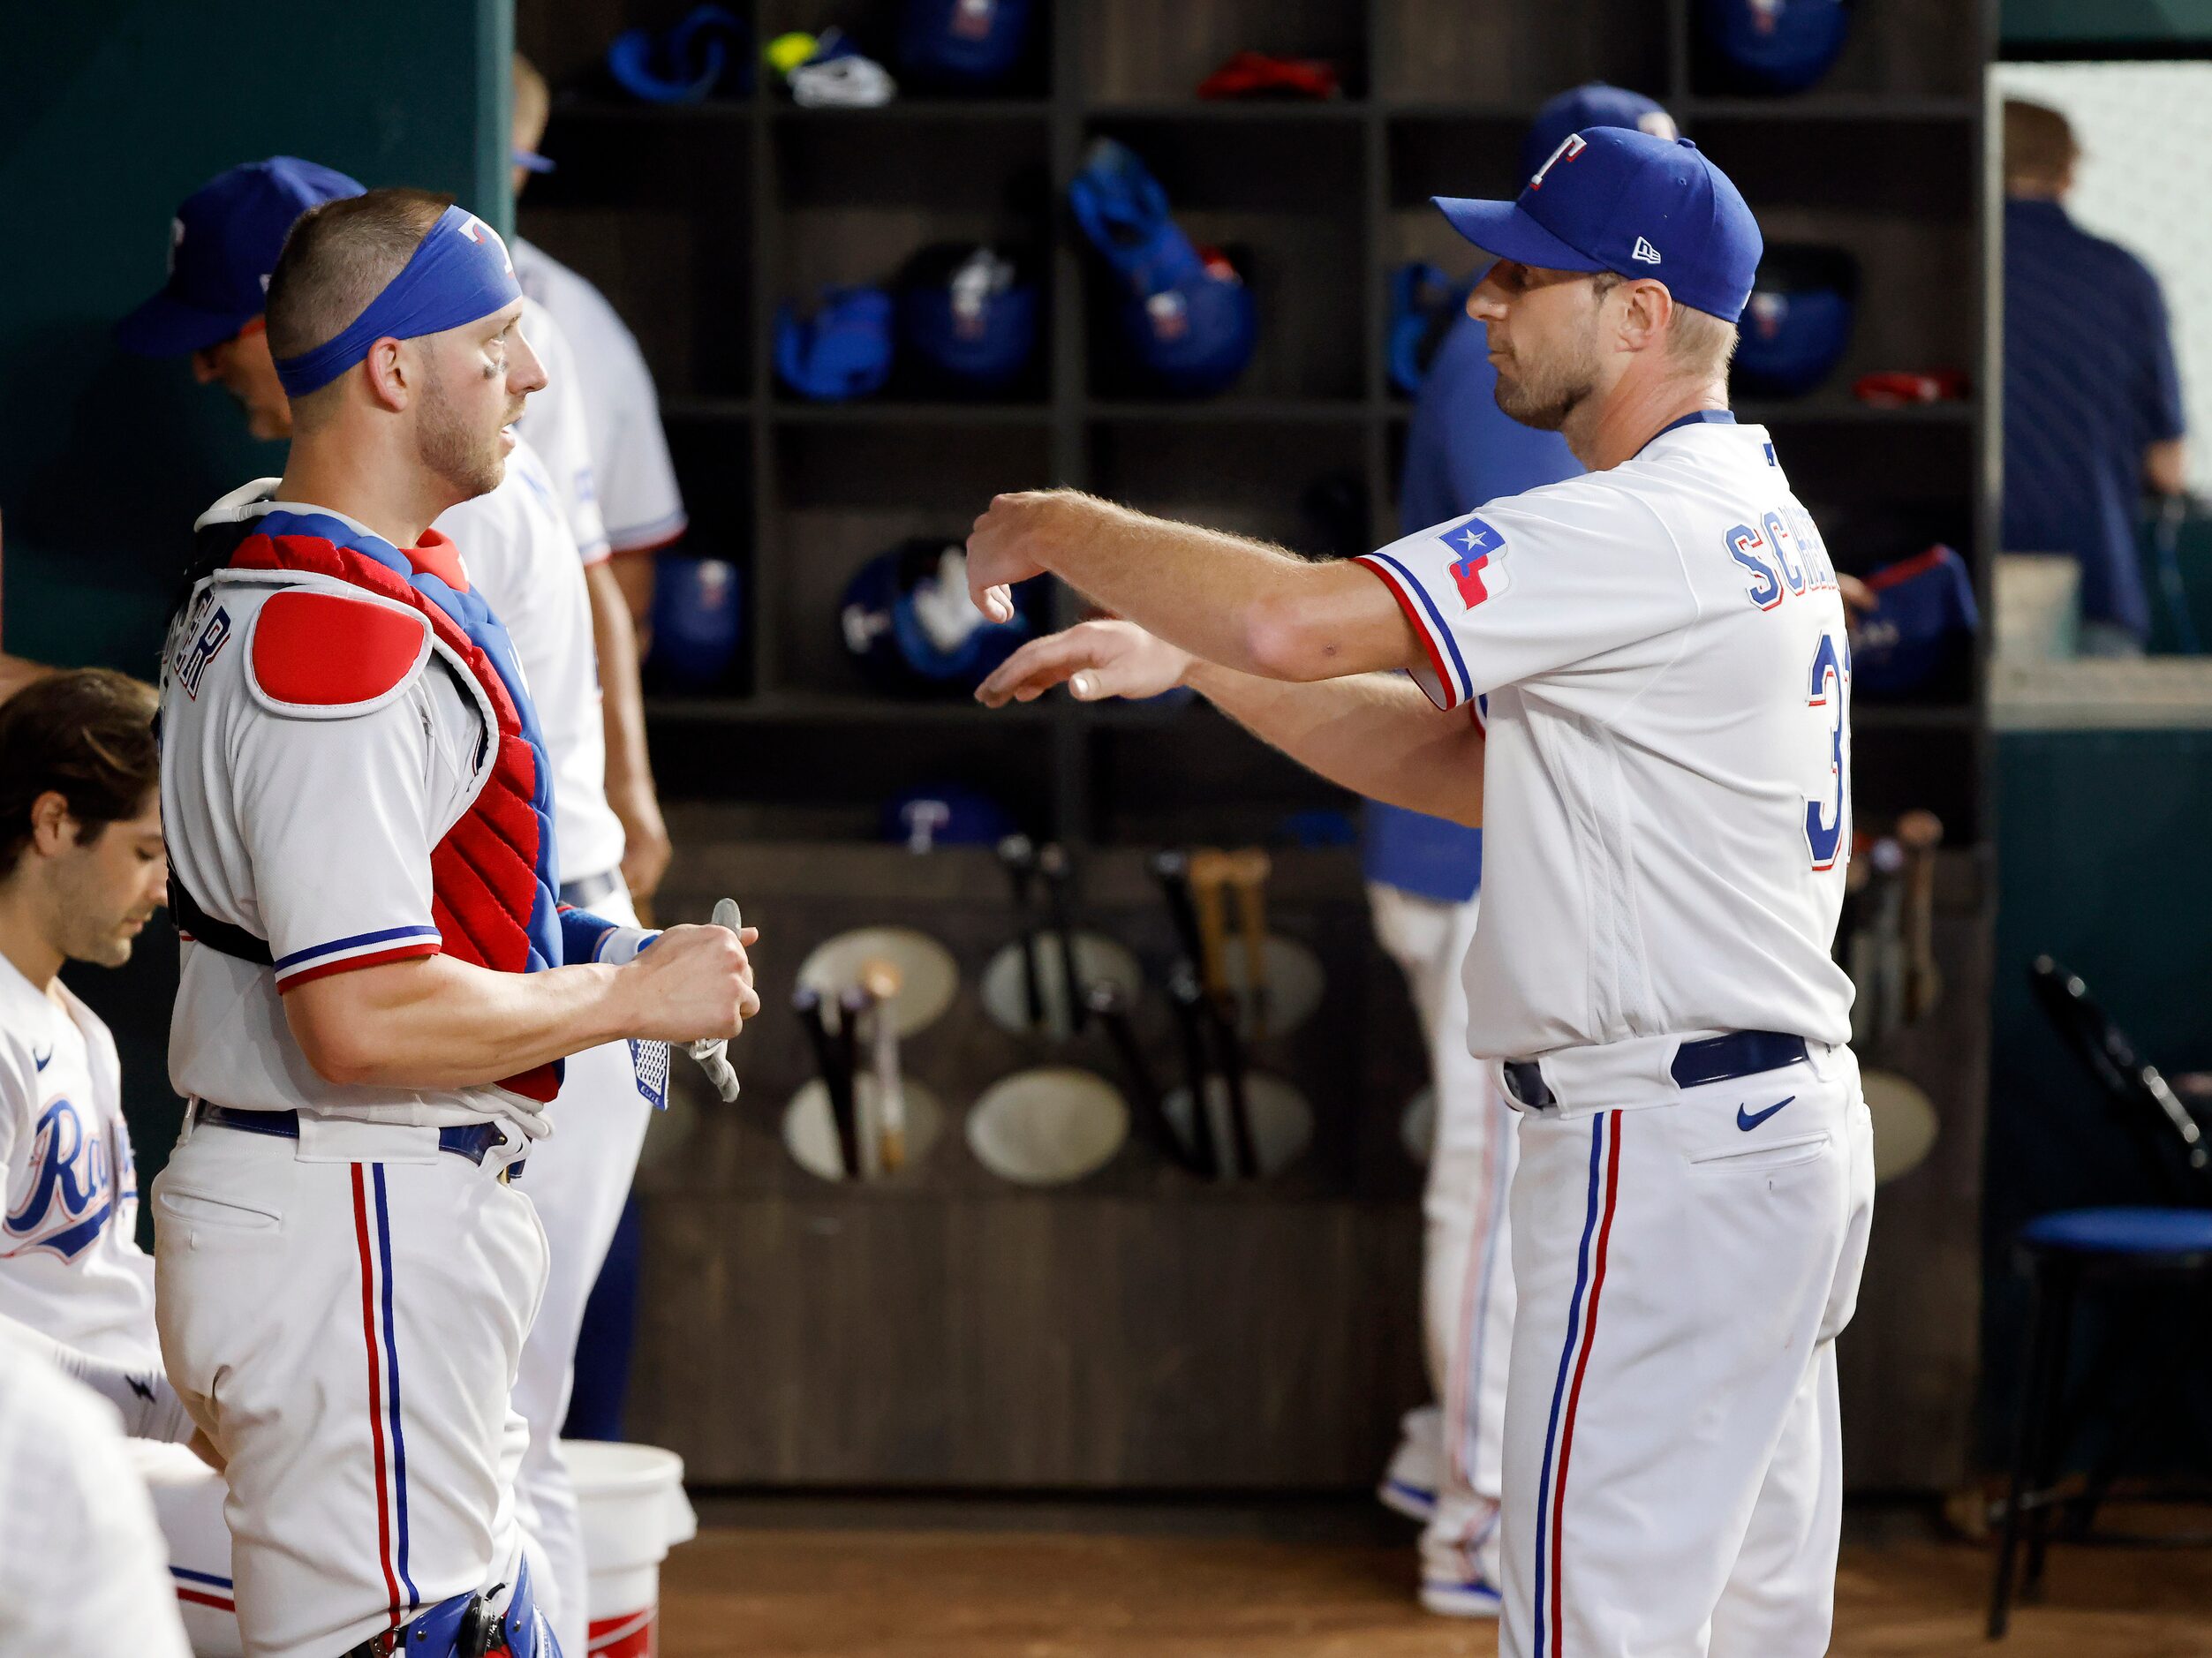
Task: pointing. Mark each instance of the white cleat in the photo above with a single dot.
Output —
(1450, 1598)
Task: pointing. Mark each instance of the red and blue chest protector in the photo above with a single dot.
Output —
(494, 873)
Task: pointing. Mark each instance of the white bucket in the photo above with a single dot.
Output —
(633, 1508)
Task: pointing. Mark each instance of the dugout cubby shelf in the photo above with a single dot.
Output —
(1318, 201)
(946, 1331)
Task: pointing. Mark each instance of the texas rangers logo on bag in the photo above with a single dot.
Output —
(73, 1186)
(1570, 146)
(1476, 568)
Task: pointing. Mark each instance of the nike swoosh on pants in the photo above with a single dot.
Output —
(1746, 1121)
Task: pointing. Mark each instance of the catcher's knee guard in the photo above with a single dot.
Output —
(466, 1626)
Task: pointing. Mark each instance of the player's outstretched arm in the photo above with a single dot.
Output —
(1228, 599)
(436, 1023)
(1375, 734)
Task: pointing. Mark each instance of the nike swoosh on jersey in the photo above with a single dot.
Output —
(43, 1060)
(1749, 1121)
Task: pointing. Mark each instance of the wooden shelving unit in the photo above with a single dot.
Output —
(697, 221)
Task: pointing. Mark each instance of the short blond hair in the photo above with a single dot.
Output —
(2040, 149)
(1696, 340)
(534, 106)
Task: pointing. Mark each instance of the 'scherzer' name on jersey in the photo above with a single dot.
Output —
(1661, 653)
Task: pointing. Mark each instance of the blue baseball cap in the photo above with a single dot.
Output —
(1592, 104)
(223, 243)
(1609, 199)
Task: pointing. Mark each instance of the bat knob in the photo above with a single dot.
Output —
(726, 915)
(1919, 830)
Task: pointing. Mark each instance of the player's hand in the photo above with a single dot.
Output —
(1096, 660)
(1012, 542)
(695, 984)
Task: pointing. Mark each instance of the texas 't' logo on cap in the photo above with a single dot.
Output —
(1573, 145)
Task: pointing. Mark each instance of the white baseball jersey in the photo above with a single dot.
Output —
(638, 494)
(71, 1267)
(81, 1566)
(554, 422)
(520, 554)
(312, 828)
(1666, 792)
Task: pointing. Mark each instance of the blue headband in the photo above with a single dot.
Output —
(459, 272)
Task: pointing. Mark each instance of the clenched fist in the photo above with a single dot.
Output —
(694, 984)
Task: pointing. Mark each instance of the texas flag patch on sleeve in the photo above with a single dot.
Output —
(1478, 567)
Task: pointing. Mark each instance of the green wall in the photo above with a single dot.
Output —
(108, 117)
(2023, 21)
(111, 114)
(2101, 864)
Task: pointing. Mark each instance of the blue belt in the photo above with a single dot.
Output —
(1713, 1059)
(473, 1141)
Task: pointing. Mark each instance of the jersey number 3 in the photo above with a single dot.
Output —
(1828, 821)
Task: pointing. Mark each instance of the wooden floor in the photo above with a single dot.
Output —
(814, 1590)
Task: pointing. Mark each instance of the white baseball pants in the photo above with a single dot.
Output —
(344, 1316)
(188, 1497)
(579, 1178)
(1674, 1463)
(1466, 1288)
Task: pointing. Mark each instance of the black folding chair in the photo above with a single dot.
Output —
(2131, 1247)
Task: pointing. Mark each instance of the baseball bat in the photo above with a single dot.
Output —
(882, 980)
(1232, 1056)
(806, 1002)
(1019, 856)
(1920, 832)
(1051, 863)
(1886, 895)
(853, 1003)
(1172, 871)
(1112, 1008)
(1208, 872)
(1188, 1002)
(1249, 870)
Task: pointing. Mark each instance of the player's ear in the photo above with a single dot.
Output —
(53, 831)
(395, 372)
(1647, 308)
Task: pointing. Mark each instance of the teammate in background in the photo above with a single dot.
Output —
(81, 871)
(81, 1558)
(1664, 781)
(373, 1002)
(638, 495)
(523, 555)
(2091, 403)
(1424, 878)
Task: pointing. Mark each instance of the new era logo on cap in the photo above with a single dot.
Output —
(1645, 252)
